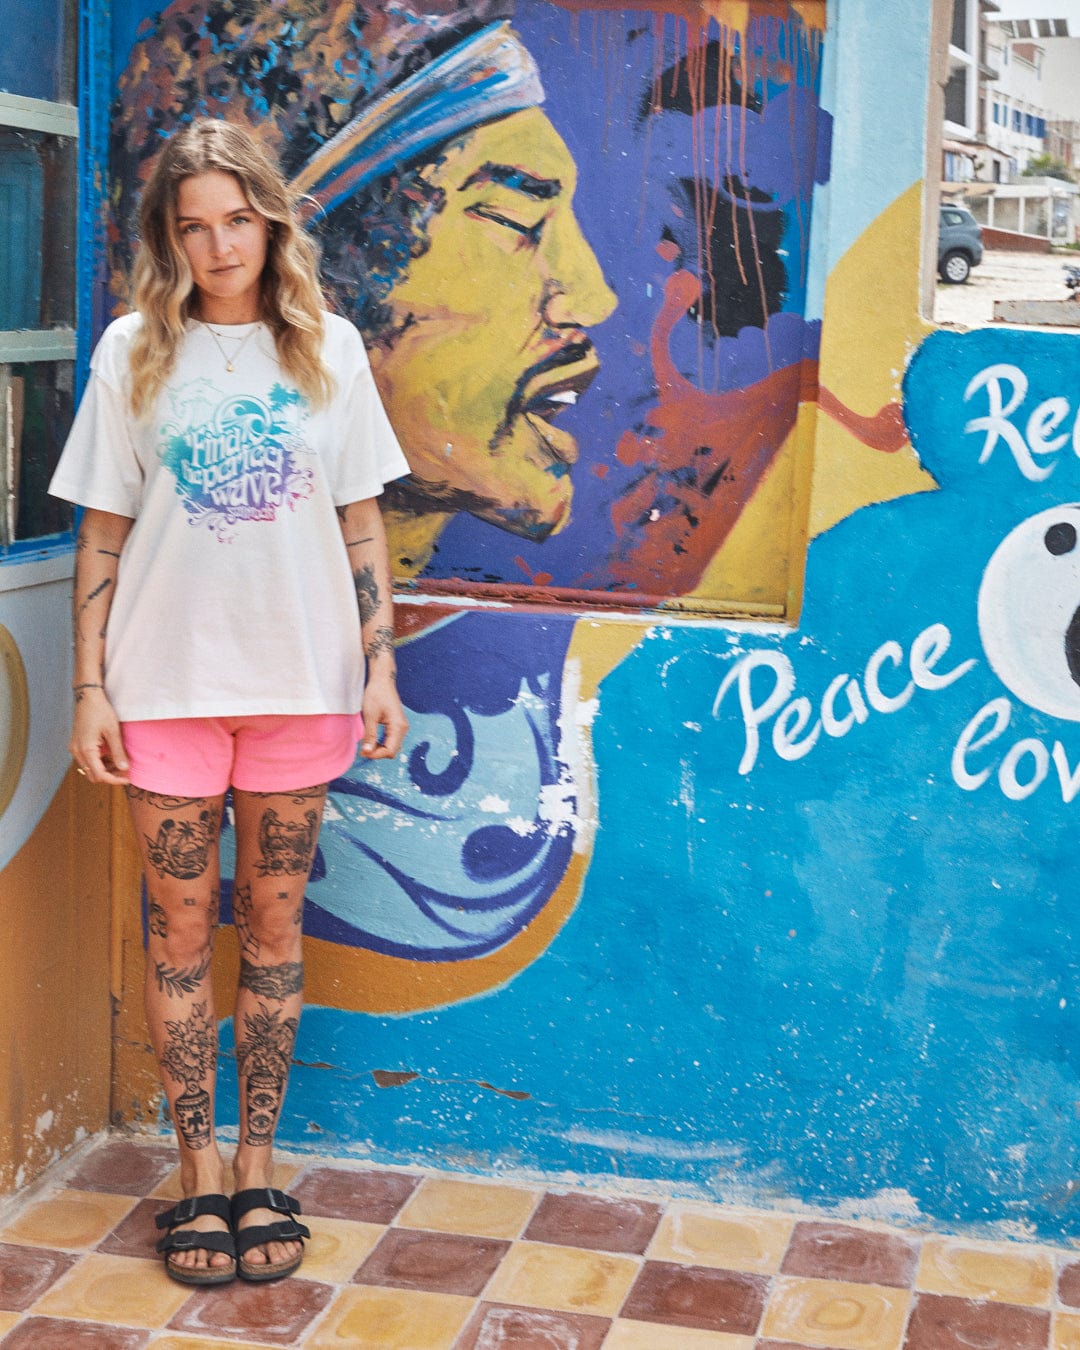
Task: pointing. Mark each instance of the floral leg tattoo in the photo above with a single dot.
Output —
(264, 1057)
(188, 1055)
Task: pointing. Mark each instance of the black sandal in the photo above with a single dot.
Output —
(192, 1239)
(285, 1230)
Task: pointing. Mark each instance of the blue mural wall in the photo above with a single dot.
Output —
(771, 913)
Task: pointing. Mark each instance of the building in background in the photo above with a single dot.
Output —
(1012, 98)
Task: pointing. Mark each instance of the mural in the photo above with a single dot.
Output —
(460, 194)
(763, 912)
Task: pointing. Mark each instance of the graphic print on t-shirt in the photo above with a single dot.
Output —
(235, 456)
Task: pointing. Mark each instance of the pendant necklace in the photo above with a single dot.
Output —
(230, 362)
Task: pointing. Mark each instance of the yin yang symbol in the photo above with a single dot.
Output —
(1029, 611)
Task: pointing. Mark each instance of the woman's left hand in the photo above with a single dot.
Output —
(385, 723)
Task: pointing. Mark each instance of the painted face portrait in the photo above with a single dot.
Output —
(476, 376)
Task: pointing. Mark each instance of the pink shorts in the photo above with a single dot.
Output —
(202, 756)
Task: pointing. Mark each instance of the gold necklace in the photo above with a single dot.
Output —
(230, 362)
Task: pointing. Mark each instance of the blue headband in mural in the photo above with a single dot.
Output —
(488, 75)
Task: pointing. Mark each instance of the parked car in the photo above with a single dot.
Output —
(959, 245)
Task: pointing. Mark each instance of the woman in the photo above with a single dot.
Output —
(230, 427)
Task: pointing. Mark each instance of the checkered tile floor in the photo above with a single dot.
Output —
(407, 1260)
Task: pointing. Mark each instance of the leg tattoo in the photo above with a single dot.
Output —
(263, 1057)
(188, 1057)
(277, 982)
(286, 846)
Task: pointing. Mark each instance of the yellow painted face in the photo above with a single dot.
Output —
(491, 324)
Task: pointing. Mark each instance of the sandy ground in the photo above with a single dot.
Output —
(1002, 276)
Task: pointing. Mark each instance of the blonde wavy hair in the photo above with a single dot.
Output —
(291, 303)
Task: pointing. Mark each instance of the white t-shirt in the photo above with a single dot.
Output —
(234, 593)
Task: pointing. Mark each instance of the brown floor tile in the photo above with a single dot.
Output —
(136, 1233)
(26, 1272)
(836, 1251)
(272, 1314)
(442, 1263)
(339, 1193)
(124, 1168)
(54, 1333)
(939, 1322)
(497, 1326)
(693, 1296)
(577, 1220)
(1068, 1289)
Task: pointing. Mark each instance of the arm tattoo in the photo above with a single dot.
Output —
(367, 592)
(355, 543)
(104, 586)
(381, 641)
(286, 846)
(108, 553)
(176, 983)
(277, 982)
(182, 847)
(342, 513)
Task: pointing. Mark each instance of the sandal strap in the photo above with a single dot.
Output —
(192, 1207)
(287, 1230)
(190, 1239)
(262, 1197)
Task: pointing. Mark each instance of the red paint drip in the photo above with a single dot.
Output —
(885, 431)
(702, 459)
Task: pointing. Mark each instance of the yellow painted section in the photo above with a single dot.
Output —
(54, 985)
(872, 327)
(14, 717)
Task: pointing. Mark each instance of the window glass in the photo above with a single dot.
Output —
(37, 404)
(37, 230)
(37, 59)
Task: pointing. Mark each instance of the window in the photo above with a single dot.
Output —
(38, 220)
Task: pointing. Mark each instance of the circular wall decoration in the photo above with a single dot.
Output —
(14, 717)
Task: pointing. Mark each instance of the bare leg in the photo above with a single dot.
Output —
(275, 845)
(178, 839)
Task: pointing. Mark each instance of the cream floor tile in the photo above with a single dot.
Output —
(695, 1235)
(1066, 1332)
(649, 1336)
(835, 1314)
(448, 1206)
(169, 1189)
(69, 1219)
(390, 1319)
(337, 1248)
(173, 1340)
(7, 1321)
(121, 1290)
(566, 1279)
(984, 1270)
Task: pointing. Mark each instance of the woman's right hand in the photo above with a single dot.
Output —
(96, 744)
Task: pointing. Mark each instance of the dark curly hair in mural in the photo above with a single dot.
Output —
(298, 72)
